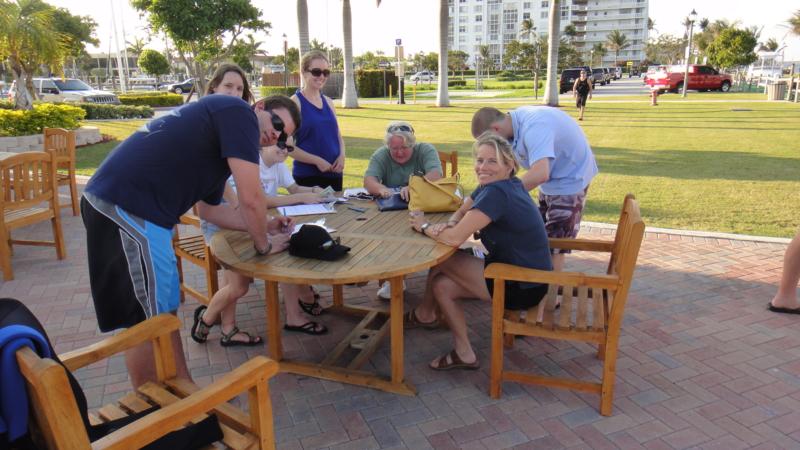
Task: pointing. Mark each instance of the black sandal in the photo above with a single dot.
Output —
(309, 327)
(314, 309)
(200, 328)
(227, 339)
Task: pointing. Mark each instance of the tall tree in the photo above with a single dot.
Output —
(598, 51)
(794, 23)
(135, 48)
(349, 94)
(666, 49)
(771, 45)
(204, 31)
(554, 23)
(442, 96)
(651, 24)
(528, 30)
(27, 41)
(457, 60)
(77, 31)
(153, 62)
(570, 32)
(733, 47)
(302, 28)
(486, 57)
(616, 41)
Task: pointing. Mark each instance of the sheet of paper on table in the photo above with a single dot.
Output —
(305, 210)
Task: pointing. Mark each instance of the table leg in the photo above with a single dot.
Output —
(273, 320)
(338, 295)
(396, 319)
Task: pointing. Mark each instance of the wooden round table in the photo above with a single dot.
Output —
(383, 246)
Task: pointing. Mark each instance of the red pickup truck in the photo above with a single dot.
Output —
(701, 78)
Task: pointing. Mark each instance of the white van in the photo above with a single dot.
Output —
(68, 90)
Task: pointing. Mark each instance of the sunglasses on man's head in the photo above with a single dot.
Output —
(318, 72)
(405, 128)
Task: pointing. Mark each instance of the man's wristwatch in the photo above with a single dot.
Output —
(424, 227)
(265, 252)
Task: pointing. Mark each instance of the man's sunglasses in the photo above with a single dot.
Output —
(278, 124)
(405, 128)
(317, 72)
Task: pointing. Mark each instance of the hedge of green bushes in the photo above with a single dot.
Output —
(153, 99)
(456, 82)
(370, 83)
(6, 104)
(43, 115)
(103, 111)
(273, 90)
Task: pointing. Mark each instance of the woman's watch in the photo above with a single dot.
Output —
(424, 227)
(265, 252)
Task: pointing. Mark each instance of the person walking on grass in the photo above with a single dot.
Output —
(581, 90)
(786, 300)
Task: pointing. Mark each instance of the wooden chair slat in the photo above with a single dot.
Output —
(549, 306)
(581, 318)
(133, 403)
(565, 315)
(111, 412)
(598, 311)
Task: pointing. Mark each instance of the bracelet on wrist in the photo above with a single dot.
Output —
(265, 252)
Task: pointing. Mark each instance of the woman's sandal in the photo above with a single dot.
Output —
(200, 328)
(455, 363)
(410, 321)
(309, 327)
(314, 309)
(227, 339)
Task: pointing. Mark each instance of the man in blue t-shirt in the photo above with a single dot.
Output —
(552, 146)
(145, 184)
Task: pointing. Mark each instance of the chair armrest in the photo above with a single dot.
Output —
(148, 330)
(509, 272)
(171, 417)
(190, 219)
(590, 245)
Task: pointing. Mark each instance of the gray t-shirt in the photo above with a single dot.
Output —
(391, 174)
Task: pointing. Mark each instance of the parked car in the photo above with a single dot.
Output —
(180, 88)
(423, 76)
(609, 74)
(568, 77)
(68, 90)
(617, 73)
(600, 75)
(701, 78)
(652, 71)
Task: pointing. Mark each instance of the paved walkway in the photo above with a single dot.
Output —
(702, 364)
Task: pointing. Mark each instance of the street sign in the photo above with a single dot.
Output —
(629, 63)
(398, 52)
(400, 69)
(398, 42)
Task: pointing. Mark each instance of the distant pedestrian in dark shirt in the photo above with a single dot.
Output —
(581, 90)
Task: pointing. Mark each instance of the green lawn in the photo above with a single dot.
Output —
(699, 166)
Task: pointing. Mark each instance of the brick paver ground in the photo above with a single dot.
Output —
(702, 364)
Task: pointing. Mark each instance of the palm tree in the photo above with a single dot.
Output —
(302, 28)
(703, 23)
(598, 49)
(771, 45)
(794, 23)
(570, 32)
(651, 24)
(528, 30)
(616, 41)
(551, 88)
(486, 57)
(27, 41)
(135, 48)
(349, 94)
(442, 97)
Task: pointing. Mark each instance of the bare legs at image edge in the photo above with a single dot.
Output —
(786, 300)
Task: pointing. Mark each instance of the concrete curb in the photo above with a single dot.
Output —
(703, 234)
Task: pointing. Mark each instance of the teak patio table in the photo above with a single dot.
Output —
(384, 246)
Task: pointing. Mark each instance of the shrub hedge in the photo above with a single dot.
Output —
(456, 82)
(152, 99)
(102, 111)
(6, 104)
(43, 115)
(273, 90)
(370, 83)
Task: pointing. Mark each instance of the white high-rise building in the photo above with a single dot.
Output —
(494, 23)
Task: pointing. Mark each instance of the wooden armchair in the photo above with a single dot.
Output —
(592, 307)
(61, 143)
(451, 158)
(28, 196)
(195, 249)
(57, 420)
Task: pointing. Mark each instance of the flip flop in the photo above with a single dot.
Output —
(410, 321)
(780, 309)
(227, 339)
(314, 309)
(310, 327)
(455, 363)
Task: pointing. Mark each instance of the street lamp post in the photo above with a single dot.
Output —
(692, 18)
(285, 65)
(591, 58)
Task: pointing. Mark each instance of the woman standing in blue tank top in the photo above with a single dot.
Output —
(319, 147)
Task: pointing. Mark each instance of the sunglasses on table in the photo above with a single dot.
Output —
(318, 72)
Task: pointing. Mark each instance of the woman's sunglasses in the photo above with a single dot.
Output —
(395, 128)
(317, 72)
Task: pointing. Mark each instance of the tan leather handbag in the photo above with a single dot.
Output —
(442, 195)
